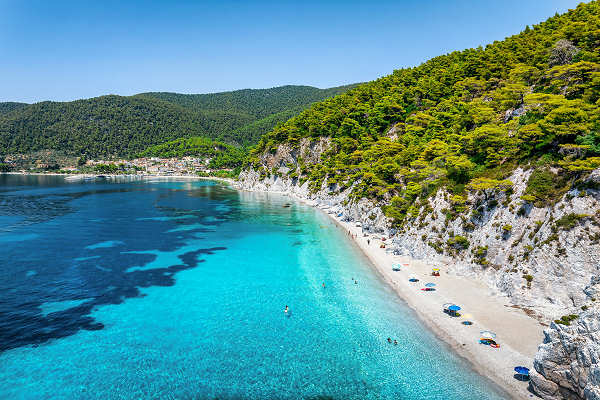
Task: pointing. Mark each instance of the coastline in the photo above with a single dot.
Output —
(139, 176)
(517, 333)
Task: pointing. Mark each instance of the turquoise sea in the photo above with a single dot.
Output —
(167, 289)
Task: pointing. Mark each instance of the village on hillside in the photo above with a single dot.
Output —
(140, 166)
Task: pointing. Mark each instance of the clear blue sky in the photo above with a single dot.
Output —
(65, 50)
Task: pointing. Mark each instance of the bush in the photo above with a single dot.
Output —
(566, 319)
(458, 242)
(569, 221)
(545, 187)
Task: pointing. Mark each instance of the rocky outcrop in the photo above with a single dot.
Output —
(568, 362)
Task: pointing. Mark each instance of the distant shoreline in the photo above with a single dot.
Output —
(138, 176)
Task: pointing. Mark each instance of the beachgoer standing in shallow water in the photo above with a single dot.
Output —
(395, 342)
(286, 309)
(323, 285)
(389, 340)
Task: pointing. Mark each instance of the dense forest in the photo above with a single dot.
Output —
(463, 121)
(117, 126)
(258, 103)
(8, 106)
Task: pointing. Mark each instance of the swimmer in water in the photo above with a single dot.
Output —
(389, 340)
(323, 284)
(395, 342)
(286, 309)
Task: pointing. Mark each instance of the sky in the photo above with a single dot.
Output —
(67, 50)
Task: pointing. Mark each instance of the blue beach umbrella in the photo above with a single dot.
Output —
(413, 280)
(429, 284)
(454, 307)
(522, 370)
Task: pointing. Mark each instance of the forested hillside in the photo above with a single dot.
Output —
(258, 103)
(118, 126)
(463, 121)
(8, 106)
(264, 107)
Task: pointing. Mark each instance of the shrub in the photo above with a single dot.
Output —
(566, 319)
(529, 279)
(545, 187)
(458, 242)
(568, 221)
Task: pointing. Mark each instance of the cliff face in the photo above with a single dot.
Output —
(568, 362)
(540, 258)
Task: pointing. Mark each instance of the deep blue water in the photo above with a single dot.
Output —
(176, 289)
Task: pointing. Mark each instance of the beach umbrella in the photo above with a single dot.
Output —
(436, 269)
(522, 370)
(487, 334)
(430, 284)
(454, 307)
(413, 280)
(467, 323)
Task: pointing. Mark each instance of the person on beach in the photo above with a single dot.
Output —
(368, 241)
(389, 340)
(323, 285)
(286, 309)
(395, 342)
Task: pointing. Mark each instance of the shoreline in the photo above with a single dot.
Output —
(517, 333)
(137, 176)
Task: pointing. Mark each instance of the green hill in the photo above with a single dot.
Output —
(9, 106)
(124, 126)
(258, 103)
(464, 120)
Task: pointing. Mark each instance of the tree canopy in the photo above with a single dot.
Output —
(468, 116)
(123, 126)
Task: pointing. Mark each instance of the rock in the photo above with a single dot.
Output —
(568, 361)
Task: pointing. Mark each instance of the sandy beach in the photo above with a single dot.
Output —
(517, 333)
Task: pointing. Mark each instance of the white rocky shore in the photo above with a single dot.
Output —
(533, 266)
(568, 362)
